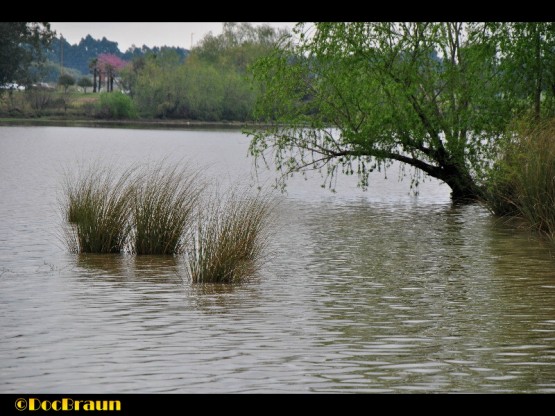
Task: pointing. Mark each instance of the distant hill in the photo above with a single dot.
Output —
(78, 56)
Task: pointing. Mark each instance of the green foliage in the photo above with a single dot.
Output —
(353, 97)
(14, 103)
(211, 84)
(238, 46)
(527, 63)
(39, 99)
(85, 82)
(22, 46)
(130, 74)
(162, 210)
(78, 56)
(230, 238)
(191, 90)
(52, 70)
(116, 105)
(523, 180)
(65, 81)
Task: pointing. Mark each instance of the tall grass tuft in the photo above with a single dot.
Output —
(162, 209)
(97, 202)
(230, 238)
(523, 182)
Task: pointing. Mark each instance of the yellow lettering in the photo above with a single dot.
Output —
(34, 404)
(67, 404)
(114, 405)
(88, 405)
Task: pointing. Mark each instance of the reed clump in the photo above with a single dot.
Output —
(97, 203)
(230, 238)
(523, 181)
(162, 211)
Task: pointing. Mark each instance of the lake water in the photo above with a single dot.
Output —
(377, 291)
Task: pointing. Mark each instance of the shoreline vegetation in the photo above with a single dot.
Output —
(124, 123)
(443, 99)
(522, 182)
(207, 87)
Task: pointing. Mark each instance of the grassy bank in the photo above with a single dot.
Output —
(77, 109)
(128, 124)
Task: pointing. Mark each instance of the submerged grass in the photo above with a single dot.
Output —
(97, 204)
(230, 238)
(162, 209)
(523, 182)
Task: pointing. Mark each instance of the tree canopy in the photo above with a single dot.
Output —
(211, 84)
(22, 46)
(354, 97)
(65, 81)
(79, 55)
(84, 83)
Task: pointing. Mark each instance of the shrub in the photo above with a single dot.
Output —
(84, 83)
(39, 98)
(116, 105)
(65, 81)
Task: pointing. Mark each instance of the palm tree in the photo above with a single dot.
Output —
(93, 66)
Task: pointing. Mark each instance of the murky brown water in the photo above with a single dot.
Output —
(365, 292)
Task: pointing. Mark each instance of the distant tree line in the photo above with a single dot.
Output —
(212, 84)
(78, 56)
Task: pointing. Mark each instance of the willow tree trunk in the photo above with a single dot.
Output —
(463, 187)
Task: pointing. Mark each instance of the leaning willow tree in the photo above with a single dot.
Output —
(354, 97)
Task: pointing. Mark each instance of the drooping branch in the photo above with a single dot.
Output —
(328, 154)
(426, 95)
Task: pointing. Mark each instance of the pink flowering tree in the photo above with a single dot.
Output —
(109, 65)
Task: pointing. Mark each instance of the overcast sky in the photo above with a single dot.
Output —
(150, 34)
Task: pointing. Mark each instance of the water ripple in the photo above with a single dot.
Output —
(368, 292)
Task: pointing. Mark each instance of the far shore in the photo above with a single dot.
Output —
(127, 123)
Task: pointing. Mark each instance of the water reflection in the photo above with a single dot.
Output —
(122, 267)
(113, 267)
(218, 298)
(430, 309)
